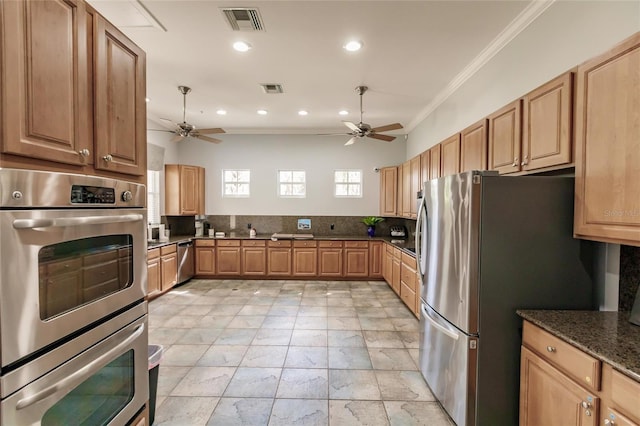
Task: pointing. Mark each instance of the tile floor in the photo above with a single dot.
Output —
(288, 353)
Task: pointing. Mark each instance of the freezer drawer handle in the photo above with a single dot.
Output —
(80, 375)
(74, 221)
(433, 322)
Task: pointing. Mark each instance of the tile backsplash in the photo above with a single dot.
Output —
(629, 276)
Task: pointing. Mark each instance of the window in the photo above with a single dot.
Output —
(348, 183)
(235, 183)
(153, 196)
(292, 183)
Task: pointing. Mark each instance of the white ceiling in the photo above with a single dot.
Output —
(412, 52)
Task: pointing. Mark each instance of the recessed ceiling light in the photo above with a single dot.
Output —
(221, 112)
(353, 46)
(262, 111)
(344, 112)
(147, 100)
(302, 112)
(241, 46)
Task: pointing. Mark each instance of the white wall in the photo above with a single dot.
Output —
(264, 155)
(565, 35)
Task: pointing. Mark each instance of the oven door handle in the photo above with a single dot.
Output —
(75, 221)
(82, 374)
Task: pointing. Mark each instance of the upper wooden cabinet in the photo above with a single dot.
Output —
(415, 185)
(434, 160)
(547, 119)
(451, 155)
(473, 147)
(184, 190)
(425, 164)
(56, 55)
(505, 138)
(388, 191)
(607, 142)
(407, 198)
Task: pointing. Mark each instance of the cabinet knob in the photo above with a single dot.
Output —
(525, 161)
(586, 404)
(551, 349)
(515, 162)
(609, 422)
(108, 158)
(84, 152)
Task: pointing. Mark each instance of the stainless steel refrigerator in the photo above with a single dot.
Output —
(486, 246)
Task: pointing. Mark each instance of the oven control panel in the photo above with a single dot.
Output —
(82, 194)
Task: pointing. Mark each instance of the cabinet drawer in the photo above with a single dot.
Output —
(254, 243)
(356, 244)
(616, 418)
(581, 367)
(64, 266)
(332, 244)
(305, 243)
(228, 243)
(409, 260)
(171, 248)
(396, 253)
(205, 243)
(280, 243)
(408, 276)
(625, 393)
(153, 253)
(389, 248)
(408, 296)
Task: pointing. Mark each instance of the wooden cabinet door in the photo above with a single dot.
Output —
(451, 155)
(505, 138)
(434, 161)
(395, 274)
(169, 270)
(356, 262)
(330, 262)
(376, 249)
(154, 280)
(189, 190)
(205, 261)
(607, 197)
(425, 165)
(388, 191)
(120, 108)
(305, 261)
(407, 198)
(228, 261)
(387, 269)
(279, 261)
(548, 397)
(201, 194)
(547, 120)
(473, 147)
(45, 92)
(399, 191)
(254, 261)
(414, 165)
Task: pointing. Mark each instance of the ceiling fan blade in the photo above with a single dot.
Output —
(207, 138)
(160, 130)
(385, 138)
(210, 131)
(177, 138)
(351, 126)
(394, 126)
(167, 123)
(351, 141)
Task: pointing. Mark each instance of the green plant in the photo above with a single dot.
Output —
(371, 220)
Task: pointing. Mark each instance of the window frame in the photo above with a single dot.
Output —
(360, 183)
(236, 182)
(155, 194)
(291, 183)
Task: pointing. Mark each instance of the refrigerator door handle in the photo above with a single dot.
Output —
(437, 325)
(419, 237)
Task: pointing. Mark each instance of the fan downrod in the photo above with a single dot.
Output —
(361, 89)
(184, 89)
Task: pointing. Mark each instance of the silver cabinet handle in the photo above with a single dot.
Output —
(82, 374)
(84, 152)
(74, 221)
(551, 349)
(108, 158)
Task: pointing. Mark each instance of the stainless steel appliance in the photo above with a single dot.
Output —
(186, 258)
(486, 246)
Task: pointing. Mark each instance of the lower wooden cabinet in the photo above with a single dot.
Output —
(330, 259)
(168, 267)
(279, 258)
(356, 259)
(228, 258)
(254, 257)
(375, 259)
(154, 282)
(205, 257)
(305, 258)
(395, 270)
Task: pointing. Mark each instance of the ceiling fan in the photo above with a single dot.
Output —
(184, 129)
(362, 130)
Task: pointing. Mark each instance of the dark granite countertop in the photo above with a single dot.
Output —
(607, 336)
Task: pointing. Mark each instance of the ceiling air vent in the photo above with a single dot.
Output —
(272, 88)
(243, 19)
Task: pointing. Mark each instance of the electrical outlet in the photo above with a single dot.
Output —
(332, 226)
(248, 226)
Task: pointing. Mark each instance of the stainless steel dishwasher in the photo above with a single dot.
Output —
(186, 265)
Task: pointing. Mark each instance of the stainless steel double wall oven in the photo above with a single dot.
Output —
(73, 320)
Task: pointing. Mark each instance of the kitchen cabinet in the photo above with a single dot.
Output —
(254, 257)
(407, 198)
(154, 276)
(408, 279)
(425, 165)
(387, 266)
(415, 186)
(607, 146)
(57, 124)
(168, 267)
(473, 147)
(184, 190)
(450, 161)
(279, 255)
(356, 259)
(505, 138)
(434, 161)
(376, 249)
(621, 399)
(228, 257)
(60, 286)
(330, 258)
(205, 257)
(305, 258)
(395, 270)
(388, 191)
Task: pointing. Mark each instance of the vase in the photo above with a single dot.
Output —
(371, 231)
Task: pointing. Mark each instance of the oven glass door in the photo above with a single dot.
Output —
(67, 269)
(106, 384)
